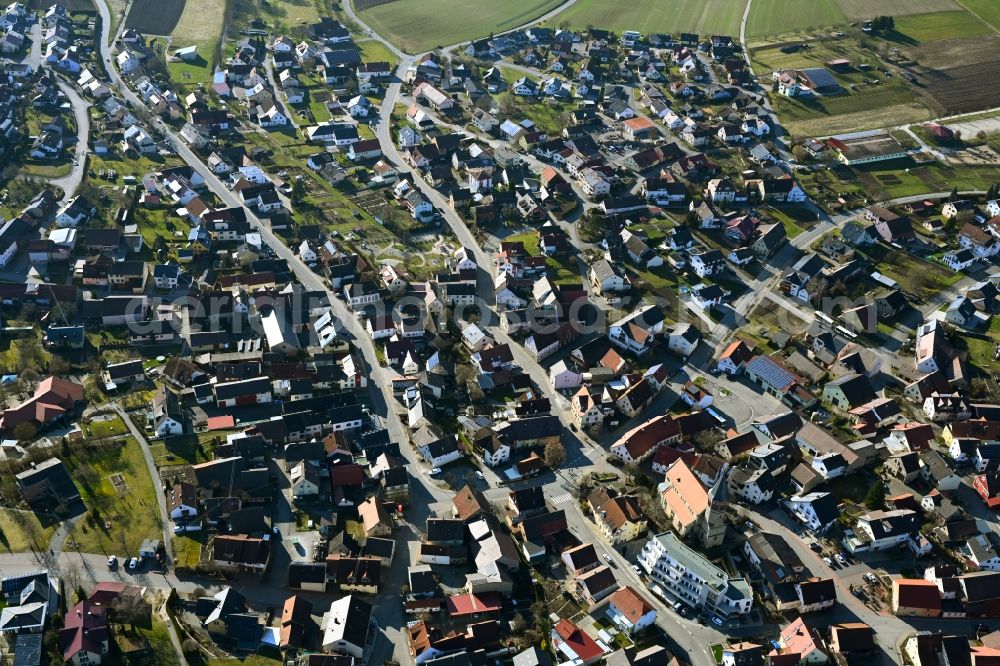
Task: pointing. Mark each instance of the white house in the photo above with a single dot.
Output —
(563, 377)
(630, 611)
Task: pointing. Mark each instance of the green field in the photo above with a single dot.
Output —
(861, 9)
(770, 16)
(421, 25)
(130, 507)
(936, 26)
(986, 10)
(701, 16)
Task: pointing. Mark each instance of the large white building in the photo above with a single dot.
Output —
(686, 576)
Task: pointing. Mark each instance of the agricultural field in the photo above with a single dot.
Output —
(771, 16)
(421, 25)
(959, 74)
(155, 17)
(988, 11)
(701, 16)
(862, 9)
(935, 27)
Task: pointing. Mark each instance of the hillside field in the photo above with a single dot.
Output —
(421, 25)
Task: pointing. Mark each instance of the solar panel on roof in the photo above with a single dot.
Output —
(771, 372)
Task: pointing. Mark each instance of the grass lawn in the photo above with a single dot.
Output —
(421, 25)
(162, 652)
(187, 551)
(373, 50)
(529, 238)
(981, 350)
(20, 529)
(185, 449)
(130, 508)
(511, 75)
(987, 11)
(772, 16)
(44, 169)
(791, 227)
(105, 428)
(646, 16)
(717, 653)
(199, 70)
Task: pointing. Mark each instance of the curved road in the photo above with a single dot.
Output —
(69, 184)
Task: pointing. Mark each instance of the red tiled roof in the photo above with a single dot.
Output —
(473, 604)
(583, 645)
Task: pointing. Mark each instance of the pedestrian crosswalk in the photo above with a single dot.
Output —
(564, 498)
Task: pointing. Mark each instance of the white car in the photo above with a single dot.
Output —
(133, 564)
(112, 562)
(840, 558)
(716, 620)
(828, 561)
(608, 558)
(636, 569)
(479, 475)
(434, 471)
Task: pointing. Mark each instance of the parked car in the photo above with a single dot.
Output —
(112, 562)
(840, 558)
(828, 561)
(434, 471)
(717, 621)
(133, 564)
(479, 475)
